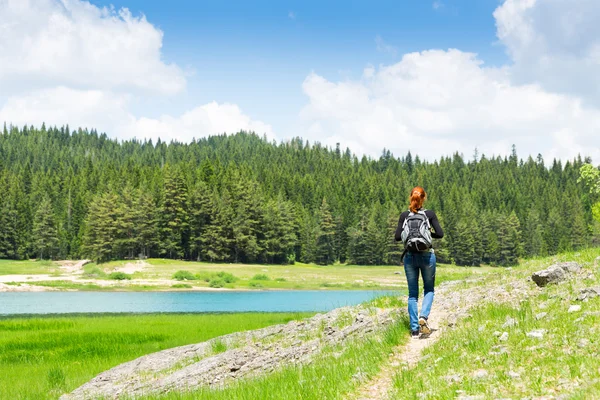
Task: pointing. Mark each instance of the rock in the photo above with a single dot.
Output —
(452, 319)
(510, 322)
(541, 315)
(503, 337)
(555, 273)
(397, 273)
(588, 293)
(538, 333)
(248, 354)
(575, 308)
(597, 261)
(480, 374)
(514, 375)
(497, 350)
(497, 333)
(583, 343)
(453, 378)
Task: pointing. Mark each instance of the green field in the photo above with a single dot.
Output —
(158, 274)
(45, 357)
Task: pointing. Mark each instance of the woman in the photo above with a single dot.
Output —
(423, 261)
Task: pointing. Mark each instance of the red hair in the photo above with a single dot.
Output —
(417, 198)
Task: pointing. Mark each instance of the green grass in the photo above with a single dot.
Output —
(26, 267)
(337, 372)
(44, 357)
(562, 363)
(242, 276)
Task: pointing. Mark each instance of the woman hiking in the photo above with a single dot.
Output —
(414, 230)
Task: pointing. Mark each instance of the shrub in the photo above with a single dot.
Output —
(216, 283)
(227, 277)
(94, 272)
(119, 276)
(255, 284)
(281, 280)
(183, 275)
(260, 277)
(181, 286)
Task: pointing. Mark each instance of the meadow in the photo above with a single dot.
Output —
(45, 357)
(163, 274)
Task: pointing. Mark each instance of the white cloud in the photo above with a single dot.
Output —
(108, 112)
(555, 43)
(437, 5)
(437, 102)
(72, 42)
(292, 15)
(384, 47)
(70, 62)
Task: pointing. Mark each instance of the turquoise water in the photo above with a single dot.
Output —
(146, 302)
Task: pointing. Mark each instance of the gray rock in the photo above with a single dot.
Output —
(248, 354)
(503, 337)
(588, 293)
(555, 273)
(541, 315)
(510, 322)
(514, 375)
(583, 343)
(574, 308)
(453, 378)
(480, 374)
(538, 333)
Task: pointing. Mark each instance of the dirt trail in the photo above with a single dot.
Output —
(450, 305)
(403, 357)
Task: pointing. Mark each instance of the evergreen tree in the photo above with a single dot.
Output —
(174, 224)
(44, 230)
(325, 238)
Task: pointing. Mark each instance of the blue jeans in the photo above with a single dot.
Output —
(413, 263)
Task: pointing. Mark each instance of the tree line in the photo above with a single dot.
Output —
(241, 198)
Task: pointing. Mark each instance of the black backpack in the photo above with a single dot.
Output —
(416, 232)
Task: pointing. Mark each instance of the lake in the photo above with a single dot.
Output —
(153, 302)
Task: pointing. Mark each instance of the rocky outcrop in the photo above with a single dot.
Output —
(588, 293)
(218, 361)
(555, 273)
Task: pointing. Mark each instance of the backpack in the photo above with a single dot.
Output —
(416, 232)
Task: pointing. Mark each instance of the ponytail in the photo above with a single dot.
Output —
(417, 198)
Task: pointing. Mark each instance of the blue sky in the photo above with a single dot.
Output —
(257, 54)
(453, 74)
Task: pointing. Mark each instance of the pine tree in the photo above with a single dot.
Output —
(510, 240)
(201, 216)
(174, 224)
(44, 230)
(325, 238)
(100, 235)
(464, 245)
(394, 248)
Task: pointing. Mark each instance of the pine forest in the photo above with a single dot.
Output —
(243, 199)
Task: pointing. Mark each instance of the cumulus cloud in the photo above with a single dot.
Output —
(74, 43)
(436, 102)
(439, 101)
(109, 112)
(555, 43)
(70, 62)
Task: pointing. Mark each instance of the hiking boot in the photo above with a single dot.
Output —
(414, 334)
(423, 326)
